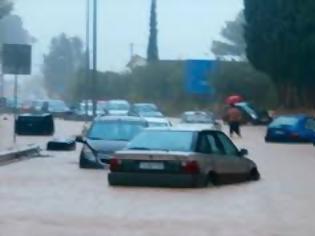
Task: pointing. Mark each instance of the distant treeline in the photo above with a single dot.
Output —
(164, 84)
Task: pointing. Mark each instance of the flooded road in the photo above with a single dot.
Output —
(52, 196)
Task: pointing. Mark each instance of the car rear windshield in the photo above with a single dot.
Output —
(198, 118)
(118, 106)
(163, 140)
(284, 121)
(115, 130)
(146, 108)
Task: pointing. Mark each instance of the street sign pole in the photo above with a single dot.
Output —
(16, 60)
(15, 105)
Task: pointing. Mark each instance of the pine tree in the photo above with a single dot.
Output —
(153, 53)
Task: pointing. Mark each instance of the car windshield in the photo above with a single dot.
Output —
(115, 130)
(284, 121)
(163, 140)
(118, 106)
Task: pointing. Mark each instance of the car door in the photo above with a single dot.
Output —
(232, 164)
(209, 155)
(310, 128)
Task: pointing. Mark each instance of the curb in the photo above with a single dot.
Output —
(19, 152)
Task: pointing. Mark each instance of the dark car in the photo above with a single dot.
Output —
(34, 124)
(106, 135)
(145, 110)
(297, 128)
(253, 115)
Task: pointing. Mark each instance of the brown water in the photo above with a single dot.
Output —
(52, 196)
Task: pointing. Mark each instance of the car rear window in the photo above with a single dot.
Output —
(115, 130)
(284, 121)
(163, 140)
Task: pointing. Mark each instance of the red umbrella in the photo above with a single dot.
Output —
(234, 99)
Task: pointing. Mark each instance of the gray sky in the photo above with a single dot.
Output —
(186, 27)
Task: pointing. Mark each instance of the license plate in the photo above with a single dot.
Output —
(151, 166)
(279, 132)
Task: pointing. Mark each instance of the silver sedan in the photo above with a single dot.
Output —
(181, 157)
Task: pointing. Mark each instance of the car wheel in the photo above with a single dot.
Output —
(82, 164)
(254, 175)
(213, 179)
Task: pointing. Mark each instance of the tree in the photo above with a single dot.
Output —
(234, 42)
(13, 31)
(281, 43)
(153, 53)
(61, 64)
(5, 8)
(234, 77)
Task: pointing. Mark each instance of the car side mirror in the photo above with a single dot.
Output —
(80, 139)
(243, 152)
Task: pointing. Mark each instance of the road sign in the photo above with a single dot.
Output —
(198, 73)
(17, 59)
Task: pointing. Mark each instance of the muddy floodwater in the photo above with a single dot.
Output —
(51, 196)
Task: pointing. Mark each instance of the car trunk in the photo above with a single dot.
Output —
(160, 162)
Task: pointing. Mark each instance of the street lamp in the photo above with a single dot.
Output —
(94, 76)
(87, 51)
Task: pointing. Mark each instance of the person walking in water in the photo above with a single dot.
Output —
(234, 118)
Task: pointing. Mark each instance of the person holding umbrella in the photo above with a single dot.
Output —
(234, 115)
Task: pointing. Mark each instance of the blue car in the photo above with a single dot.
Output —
(295, 129)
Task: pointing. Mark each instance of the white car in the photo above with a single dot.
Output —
(200, 119)
(158, 122)
(117, 108)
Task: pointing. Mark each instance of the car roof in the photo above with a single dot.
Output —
(117, 101)
(297, 116)
(183, 129)
(197, 113)
(120, 118)
(144, 104)
(156, 119)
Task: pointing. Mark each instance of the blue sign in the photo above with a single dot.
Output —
(198, 74)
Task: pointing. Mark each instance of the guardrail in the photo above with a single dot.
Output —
(19, 152)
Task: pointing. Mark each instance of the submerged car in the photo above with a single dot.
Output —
(253, 115)
(34, 124)
(106, 135)
(200, 119)
(56, 107)
(180, 157)
(298, 128)
(145, 110)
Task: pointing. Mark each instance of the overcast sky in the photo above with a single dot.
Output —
(186, 27)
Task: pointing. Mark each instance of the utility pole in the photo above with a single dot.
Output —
(132, 46)
(94, 81)
(87, 51)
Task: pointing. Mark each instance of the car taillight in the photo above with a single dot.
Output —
(191, 167)
(295, 135)
(115, 164)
